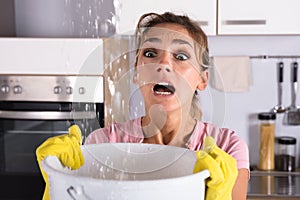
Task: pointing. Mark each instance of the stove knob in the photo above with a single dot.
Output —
(57, 90)
(81, 90)
(5, 89)
(69, 90)
(17, 89)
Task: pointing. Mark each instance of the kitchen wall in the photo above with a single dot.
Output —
(241, 109)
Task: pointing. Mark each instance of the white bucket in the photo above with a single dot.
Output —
(128, 171)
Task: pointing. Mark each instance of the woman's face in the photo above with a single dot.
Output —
(167, 69)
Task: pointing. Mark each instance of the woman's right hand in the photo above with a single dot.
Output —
(66, 148)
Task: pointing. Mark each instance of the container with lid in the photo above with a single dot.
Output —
(286, 154)
(267, 138)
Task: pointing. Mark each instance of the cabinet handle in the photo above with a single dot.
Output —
(203, 23)
(245, 22)
(46, 115)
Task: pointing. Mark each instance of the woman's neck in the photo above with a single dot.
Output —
(173, 128)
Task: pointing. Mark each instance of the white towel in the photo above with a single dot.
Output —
(231, 73)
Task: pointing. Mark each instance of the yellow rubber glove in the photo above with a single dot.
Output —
(222, 168)
(66, 147)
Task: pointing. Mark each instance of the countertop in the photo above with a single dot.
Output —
(274, 185)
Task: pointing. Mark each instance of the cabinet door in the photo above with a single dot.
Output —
(258, 17)
(203, 11)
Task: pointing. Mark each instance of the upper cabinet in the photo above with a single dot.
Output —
(203, 11)
(258, 17)
(105, 18)
(220, 17)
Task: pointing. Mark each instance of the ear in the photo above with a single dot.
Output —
(135, 75)
(203, 80)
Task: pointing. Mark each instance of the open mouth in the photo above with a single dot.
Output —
(163, 88)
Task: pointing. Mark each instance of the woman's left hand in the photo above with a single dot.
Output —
(222, 168)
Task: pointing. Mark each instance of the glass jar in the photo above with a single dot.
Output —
(286, 154)
(267, 140)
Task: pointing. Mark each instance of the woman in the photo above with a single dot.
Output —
(171, 66)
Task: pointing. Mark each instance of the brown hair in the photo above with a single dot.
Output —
(149, 20)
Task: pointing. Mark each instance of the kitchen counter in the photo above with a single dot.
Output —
(274, 185)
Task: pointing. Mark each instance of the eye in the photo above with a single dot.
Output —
(181, 56)
(149, 53)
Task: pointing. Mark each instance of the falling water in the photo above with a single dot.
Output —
(96, 19)
(91, 18)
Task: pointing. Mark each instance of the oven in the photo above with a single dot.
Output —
(34, 108)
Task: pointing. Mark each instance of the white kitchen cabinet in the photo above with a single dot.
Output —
(203, 11)
(258, 17)
(61, 56)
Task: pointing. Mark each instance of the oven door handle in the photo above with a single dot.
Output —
(47, 115)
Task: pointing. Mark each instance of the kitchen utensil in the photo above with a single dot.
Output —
(279, 108)
(128, 171)
(292, 115)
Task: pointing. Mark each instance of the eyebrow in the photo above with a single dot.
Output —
(175, 41)
(179, 41)
(157, 40)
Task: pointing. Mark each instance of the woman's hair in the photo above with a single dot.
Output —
(150, 20)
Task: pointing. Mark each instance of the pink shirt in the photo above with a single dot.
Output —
(131, 131)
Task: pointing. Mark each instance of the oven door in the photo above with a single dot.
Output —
(23, 130)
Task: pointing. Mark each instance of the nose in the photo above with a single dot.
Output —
(163, 67)
(165, 62)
